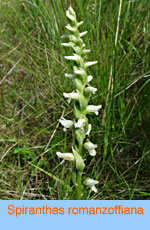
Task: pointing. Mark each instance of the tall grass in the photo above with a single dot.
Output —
(32, 82)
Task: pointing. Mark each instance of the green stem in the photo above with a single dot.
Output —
(79, 185)
(79, 178)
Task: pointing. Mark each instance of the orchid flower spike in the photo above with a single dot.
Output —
(81, 97)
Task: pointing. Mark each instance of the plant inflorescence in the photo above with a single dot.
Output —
(81, 96)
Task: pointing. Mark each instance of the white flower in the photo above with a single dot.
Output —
(66, 123)
(92, 152)
(69, 75)
(87, 64)
(76, 96)
(89, 78)
(72, 58)
(93, 109)
(66, 156)
(80, 72)
(79, 24)
(90, 147)
(69, 27)
(72, 95)
(89, 129)
(76, 58)
(83, 33)
(91, 89)
(73, 38)
(91, 183)
(77, 49)
(69, 44)
(80, 123)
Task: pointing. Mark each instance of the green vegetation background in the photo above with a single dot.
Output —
(32, 81)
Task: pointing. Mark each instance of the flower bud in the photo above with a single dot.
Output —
(79, 85)
(79, 136)
(72, 12)
(77, 112)
(71, 16)
(79, 161)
